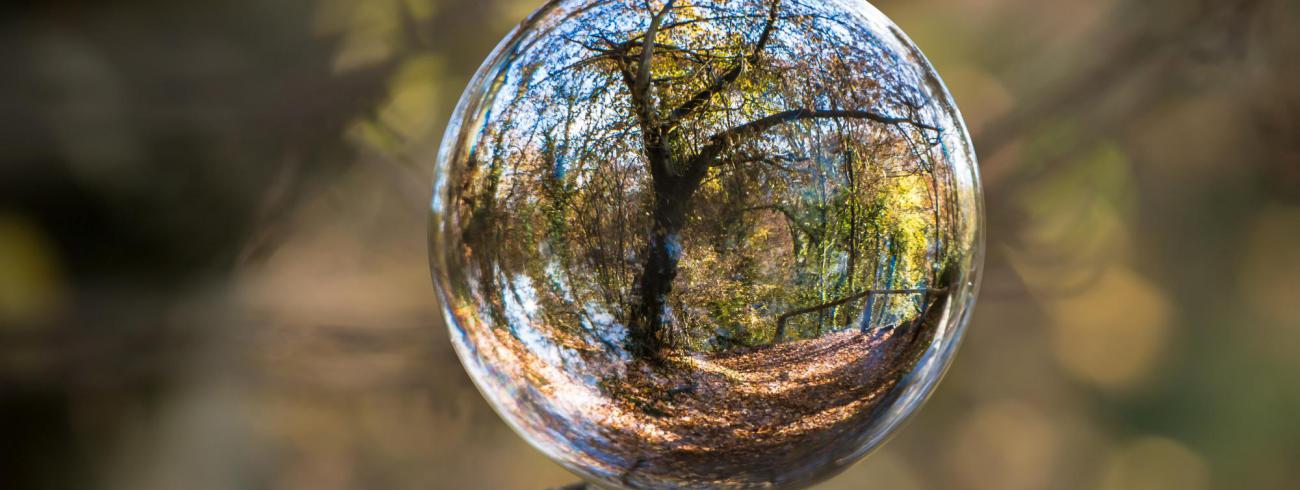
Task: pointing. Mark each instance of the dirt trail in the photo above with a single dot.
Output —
(746, 417)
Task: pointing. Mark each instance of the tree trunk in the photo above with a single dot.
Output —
(659, 268)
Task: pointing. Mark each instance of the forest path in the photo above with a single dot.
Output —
(753, 412)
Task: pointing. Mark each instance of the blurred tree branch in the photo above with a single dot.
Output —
(1135, 50)
(1143, 66)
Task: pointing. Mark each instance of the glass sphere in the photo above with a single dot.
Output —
(706, 244)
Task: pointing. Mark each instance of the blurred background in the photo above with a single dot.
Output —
(213, 270)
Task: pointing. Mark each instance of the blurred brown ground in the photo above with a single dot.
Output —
(212, 261)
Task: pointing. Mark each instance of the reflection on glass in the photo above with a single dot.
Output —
(722, 243)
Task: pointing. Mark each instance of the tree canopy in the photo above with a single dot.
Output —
(687, 176)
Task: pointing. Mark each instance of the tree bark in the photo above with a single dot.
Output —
(659, 267)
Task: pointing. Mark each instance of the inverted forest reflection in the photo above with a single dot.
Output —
(722, 243)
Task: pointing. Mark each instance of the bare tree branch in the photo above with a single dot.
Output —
(647, 51)
(724, 140)
(780, 321)
(698, 100)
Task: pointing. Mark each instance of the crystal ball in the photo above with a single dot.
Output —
(706, 243)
